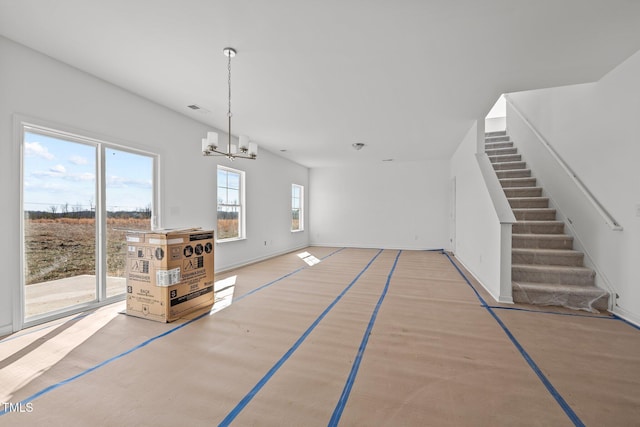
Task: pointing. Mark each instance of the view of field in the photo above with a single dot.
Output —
(57, 248)
(227, 228)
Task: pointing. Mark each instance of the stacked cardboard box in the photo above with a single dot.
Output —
(169, 272)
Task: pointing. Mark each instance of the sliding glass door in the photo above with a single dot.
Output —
(79, 196)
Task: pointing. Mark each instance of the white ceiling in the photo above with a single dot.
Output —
(405, 77)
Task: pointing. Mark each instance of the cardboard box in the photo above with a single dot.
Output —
(169, 272)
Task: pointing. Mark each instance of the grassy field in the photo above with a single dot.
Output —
(66, 247)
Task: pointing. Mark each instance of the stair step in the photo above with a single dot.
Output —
(518, 173)
(502, 158)
(497, 145)
(495, 133)
(538, 227)
(528, 202)
(509, 165)
(501, 151)
(553, 274)
(517, 182)
(537, 214)
(564, 257)
(496, 138)
(523, 192)
(589, 298)
(542, 241)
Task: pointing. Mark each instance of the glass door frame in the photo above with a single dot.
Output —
(23, 125)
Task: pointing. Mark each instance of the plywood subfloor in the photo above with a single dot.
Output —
(365, 337)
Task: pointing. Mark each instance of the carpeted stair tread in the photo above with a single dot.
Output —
(517, 173)
(558, 274)
(496, 138)
(589, 298)
(528, 202)
(535, 214)
(496, 133)
(566, 257)
(496, 145)
(517, 182)
(509, 165)
(538, 227)
(542, 241)
(512, 192)
(501, 151)
(501, 158)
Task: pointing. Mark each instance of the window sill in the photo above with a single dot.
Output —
(297, 231)
(234, 239)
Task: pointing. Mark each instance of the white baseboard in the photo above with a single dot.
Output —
(495, 297)
(6, 330)
(629, 317)
(259, 259)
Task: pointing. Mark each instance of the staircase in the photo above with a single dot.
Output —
(545, 269)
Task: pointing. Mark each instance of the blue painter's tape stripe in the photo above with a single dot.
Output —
(550, 388)
(249, 396)
(143, 344)
(337, 412)
(626, 321)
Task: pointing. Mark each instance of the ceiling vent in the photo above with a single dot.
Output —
(198, 108)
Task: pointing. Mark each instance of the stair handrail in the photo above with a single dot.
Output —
(606, 216)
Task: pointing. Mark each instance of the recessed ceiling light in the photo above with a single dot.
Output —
(357, 145)
(283, 150)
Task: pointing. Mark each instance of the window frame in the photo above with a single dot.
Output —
(25, 124)
(242, 233)
(300, 209)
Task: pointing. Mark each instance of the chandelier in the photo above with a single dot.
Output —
(245, 149)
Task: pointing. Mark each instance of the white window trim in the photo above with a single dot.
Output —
(242, 229)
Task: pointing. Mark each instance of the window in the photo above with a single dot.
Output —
(230, 204)
(297, 203)
(78, 194)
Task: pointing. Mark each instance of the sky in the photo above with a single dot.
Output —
(58, 172)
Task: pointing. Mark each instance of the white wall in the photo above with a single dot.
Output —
(478, 228)
(38, 86)
(594, 128)
(402, 205)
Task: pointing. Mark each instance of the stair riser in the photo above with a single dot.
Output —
(509, 166)
(544, 227)
(534, 214)
(501, 151)
(497, 145)
(505, 158)
(495, 133)
(523, 192)
(554, 277)
(496, 138)
(576, 301)
(523, 173)
(511, 183)
(532, 203)
(541, 242)
(574, 259)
